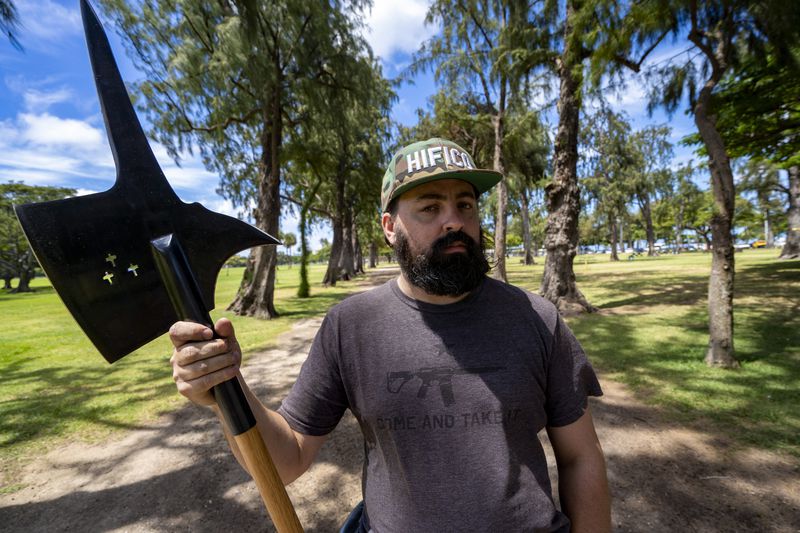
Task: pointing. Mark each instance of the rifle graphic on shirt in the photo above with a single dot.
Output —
(440, 374)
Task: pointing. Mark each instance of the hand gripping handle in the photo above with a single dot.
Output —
(188, 303)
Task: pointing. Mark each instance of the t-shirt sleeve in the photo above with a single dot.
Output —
(317, 400)
(570, 378)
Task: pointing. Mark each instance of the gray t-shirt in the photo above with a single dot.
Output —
(450, 399)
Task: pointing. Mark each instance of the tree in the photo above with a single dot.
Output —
(9, 22)
(719, 36)
(767, 128)
(469, 57)
(289, 240)
(684, 197)
(763, 180)
(558, 38)
(528, 148)
(654, 154)
(609, 168)
(229, 78)
(16, 256)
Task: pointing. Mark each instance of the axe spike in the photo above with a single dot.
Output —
(133, 156)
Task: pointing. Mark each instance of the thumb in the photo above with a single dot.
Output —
(224, 329)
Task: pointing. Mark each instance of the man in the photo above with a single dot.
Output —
(451, 376)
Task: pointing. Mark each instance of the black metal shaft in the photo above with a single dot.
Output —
(186, 298)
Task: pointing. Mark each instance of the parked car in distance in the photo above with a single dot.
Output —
(760, 243)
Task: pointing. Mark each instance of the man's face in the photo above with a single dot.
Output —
(436, 234)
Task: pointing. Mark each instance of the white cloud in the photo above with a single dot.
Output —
(397, 26)
(48, 130)
(43, 149)
(38, 101)
(190, 177)
(45, 23)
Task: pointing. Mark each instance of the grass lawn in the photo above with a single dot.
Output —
(652, 333)
(56, 385)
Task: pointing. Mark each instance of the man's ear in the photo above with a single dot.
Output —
(387, 223)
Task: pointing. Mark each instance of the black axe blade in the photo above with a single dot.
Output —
(96, 249)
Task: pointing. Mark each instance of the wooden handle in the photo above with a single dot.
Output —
(269, 483)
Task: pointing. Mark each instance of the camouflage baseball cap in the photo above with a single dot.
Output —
(431, 160)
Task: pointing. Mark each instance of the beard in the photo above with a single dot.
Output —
(440, 273)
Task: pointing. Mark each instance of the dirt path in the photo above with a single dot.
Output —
(177, 475)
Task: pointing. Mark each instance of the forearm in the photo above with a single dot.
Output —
(280, 440)
(584, 494)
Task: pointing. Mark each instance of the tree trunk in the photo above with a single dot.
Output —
(647, 215)
(347, 257)
(612, 222)
(373, 254)
(25, 271)
(721, 282)
(24, 284)
(7, 282)
(499, 271)
(526, 226)
(358, 255)
(257, 291)
(332, 273)
(304, 289)
(563, 195)
(679, 226)
(791, 250)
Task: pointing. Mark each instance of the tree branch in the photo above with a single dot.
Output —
(297, 202)
(224, 125)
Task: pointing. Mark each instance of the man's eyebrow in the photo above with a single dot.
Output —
(440, 196)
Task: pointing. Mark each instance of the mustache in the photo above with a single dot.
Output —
(452, 237)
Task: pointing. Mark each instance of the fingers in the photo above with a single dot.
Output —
(198, 390)
(195, 359)
(183, 332)
(200, 362)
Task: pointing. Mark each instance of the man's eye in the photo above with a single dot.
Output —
(430, 208)
(467, 205)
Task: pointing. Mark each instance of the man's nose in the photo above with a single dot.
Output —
(454, 220)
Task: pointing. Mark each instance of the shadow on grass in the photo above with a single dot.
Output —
(63, 397)
(188, 480)
(660, 352)
(653, 289)
(7, 295)
(208, 492)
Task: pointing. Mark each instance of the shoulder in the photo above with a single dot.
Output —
(523, 300)
(363, 303)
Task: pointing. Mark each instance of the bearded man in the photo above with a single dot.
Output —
(451, 375)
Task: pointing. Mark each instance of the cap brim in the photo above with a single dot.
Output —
(482, 180)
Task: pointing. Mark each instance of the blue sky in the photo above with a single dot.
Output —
(51, 129)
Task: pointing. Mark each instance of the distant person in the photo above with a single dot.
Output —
(450, 374)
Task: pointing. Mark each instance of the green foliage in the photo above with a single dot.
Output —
(222, 76)
(16, 256)
(758, 110)
(723, 38)
(609, 166)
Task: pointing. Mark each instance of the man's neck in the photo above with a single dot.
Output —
(412, 291)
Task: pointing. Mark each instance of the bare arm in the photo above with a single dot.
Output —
(582, 482)
(200, 362)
